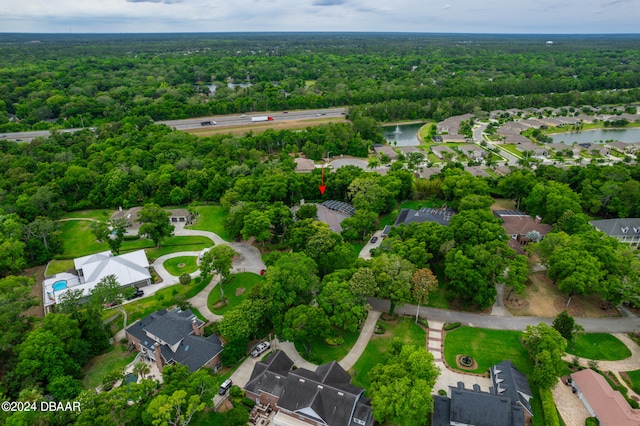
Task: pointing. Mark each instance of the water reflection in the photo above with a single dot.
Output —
(403, 135)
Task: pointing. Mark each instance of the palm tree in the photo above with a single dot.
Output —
(578, 329)
(141, 369)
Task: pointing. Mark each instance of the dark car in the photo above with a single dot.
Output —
(138, 293)
(373, 240)
(224, 387)
(110, 304)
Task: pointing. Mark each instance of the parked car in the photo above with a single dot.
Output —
(260, 349)
(224, 387)
(138, 293)
(110, 304)
(374, 239)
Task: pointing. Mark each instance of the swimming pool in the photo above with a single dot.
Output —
(59, 285)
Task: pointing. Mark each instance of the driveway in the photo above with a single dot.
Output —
(365, 252)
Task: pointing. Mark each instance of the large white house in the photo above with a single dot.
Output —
(130, 269)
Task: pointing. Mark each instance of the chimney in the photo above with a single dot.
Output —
(538, 219)
(196, 330)
(158, 353)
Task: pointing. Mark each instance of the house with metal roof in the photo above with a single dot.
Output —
(129, 269)
(507, 403)
(323, 397)
(170, 337)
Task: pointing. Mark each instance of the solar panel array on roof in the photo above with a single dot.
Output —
(340, 207)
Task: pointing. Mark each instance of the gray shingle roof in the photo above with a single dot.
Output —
(269, 376)
(510, 382)
(618, 227)
(173, 326)
(194, 351)
(483, 409)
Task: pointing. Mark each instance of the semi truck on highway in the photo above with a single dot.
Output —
(262, 118)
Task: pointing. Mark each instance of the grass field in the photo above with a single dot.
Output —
(57, 266)
(211, 218)
(376, 350)
(490, 347)
(163, 298)
(600, 346)
(634, 376)
(189, 265)
(102, 215)
(321, 353)
(511, 148)
(78, 240)
(99, 366)
(176, 244)
(234, 296)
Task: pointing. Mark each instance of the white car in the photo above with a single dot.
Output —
(262, 347)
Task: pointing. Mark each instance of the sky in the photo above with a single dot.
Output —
(428, 16)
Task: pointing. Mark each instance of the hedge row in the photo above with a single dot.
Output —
(549, 408)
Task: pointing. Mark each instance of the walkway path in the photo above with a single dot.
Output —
(435, 345)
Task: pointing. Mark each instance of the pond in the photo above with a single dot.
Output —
(599, 136)
(402, 134)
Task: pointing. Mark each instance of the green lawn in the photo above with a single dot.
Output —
(57, 266)
(376, 350)
(509, 147)
(99, 366)
(163, 298)
(177, 244)
(211, 218)
(634, 376)
(600, 346)
(244, 280)
(490, 347)
(321, 353)
(177, 266)
(102, 215)
(79, 241)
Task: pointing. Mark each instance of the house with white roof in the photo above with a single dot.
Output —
(130, 270)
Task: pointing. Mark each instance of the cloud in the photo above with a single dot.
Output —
(446, 6)
(155, 1)
(328, 2)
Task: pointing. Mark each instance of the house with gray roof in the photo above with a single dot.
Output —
(323, 397)
(624, 230)
(440, 150)
(473, 151)
(441, 216)
(170, 337)
(533, 149)
(507, 403)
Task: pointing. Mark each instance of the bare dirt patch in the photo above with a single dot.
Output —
(503, 204)
(543, 299)
(240, 291)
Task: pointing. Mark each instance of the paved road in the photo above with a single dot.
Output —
(195, 123)
(591, 325)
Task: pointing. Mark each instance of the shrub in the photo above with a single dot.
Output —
(248, 402)
(236, 392)
(423, 322)
(380, 329)
(549, 408)
(442, 392)
(591, 421)
(575, 361)
(334, 340)
(448, 326)
(593, 364)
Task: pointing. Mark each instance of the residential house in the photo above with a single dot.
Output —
(441, 216)
(507, 403)
(304, 165)
(609, 406)
(385, 149)
(564, 148)
(427, 172)
(180, 216)
(624, 230)
(518, 225)
(408, 149)
(532, 149)
(625, 148)
(324, 397)
(595, 149)
(440, 150)
(477, 171)
(473, 151)
(170, 337)
(129, 269)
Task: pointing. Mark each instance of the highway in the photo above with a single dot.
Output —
(195, 123)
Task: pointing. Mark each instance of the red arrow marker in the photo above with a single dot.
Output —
(323, 186)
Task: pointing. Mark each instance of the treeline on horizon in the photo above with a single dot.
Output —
(65, 80)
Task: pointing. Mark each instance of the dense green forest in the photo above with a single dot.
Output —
(75, 81)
